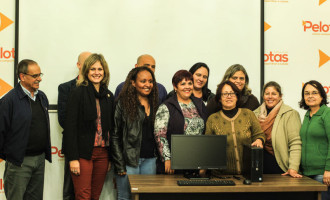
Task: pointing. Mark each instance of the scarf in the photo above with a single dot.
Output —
(89, 107)
(267, 122)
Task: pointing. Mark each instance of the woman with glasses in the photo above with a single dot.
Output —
(88, 126)
(237, 75)
(315, 134)
(180, 114)
(281, 125)
(239, 124)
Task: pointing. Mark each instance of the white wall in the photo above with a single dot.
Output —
(177, 33)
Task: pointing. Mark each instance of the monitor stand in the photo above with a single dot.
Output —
(196, 176)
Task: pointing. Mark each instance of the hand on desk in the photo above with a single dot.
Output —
(326, 178)
(168, 169)
(292, 173)
(202, 172)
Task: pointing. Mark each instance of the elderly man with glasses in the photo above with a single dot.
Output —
(25, 134)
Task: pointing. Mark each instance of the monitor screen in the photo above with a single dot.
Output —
(198, 151)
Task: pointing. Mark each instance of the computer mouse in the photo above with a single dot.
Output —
(247, 182)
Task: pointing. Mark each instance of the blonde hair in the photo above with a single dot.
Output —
(91, 60)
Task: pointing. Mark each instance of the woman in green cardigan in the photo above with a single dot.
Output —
(315, 134)
(281, 125)
(239, 124)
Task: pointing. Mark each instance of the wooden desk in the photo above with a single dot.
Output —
(157, 187)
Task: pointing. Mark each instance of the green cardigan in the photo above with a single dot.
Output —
(243, 128)
(315, 136)
(285, 138)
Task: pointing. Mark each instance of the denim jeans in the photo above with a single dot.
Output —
(145, 166)
(326, 194)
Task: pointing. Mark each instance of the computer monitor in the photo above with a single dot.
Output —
(198, 152)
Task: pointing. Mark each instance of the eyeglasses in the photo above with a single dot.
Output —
(35, 75)
(314, 93)
(228, 94)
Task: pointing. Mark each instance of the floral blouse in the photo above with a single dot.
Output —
(194, 125)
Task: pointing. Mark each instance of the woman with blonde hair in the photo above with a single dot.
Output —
(89, 124)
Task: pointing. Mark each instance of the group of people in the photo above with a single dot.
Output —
(131, 130)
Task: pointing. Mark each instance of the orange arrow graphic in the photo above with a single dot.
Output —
(323, 58)
(321, 1)
(4, 87)
(266, 26)
(4, 21)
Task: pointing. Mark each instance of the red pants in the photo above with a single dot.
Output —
(88, 185)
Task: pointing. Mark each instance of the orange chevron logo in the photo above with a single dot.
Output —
(266, 26)
(4, 87)
(4, 21)
(321, 1)
(324, 58)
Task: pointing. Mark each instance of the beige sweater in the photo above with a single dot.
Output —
(285, 138)
(243, 128)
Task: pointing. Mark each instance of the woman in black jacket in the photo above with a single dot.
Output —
(133, 143)
(89, 123)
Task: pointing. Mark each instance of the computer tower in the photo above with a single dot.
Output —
(253, 158)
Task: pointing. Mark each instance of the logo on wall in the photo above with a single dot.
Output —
(4, 87)
(1, 186)
(4, 21)
(58, 152)
(7, 55)
(276, 58)
(319, 28)
(321, 1)
(266, 26)
(324, 58)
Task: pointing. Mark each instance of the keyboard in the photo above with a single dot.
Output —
(206, 183)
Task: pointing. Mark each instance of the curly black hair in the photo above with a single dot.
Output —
(129, 97)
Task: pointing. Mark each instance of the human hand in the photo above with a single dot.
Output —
(292, 173)
(168, 169)
(202, 172)
(121, 173)
(326, 178)
(75, 167)
(257, 143)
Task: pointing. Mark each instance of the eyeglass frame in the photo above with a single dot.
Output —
(35, 76)
(231, 94)
(314, 93)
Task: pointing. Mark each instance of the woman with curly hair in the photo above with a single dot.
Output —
(133, 143)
